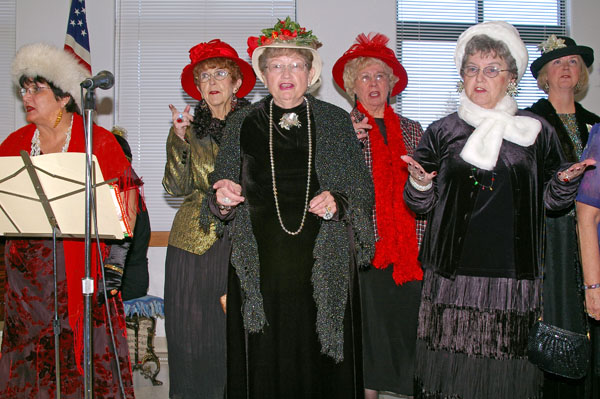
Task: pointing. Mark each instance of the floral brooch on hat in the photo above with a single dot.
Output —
(551, 44)
(284, 31)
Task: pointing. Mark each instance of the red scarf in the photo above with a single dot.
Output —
(113, 163)
(397, 242)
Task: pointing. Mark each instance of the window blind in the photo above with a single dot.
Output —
(426, 34)
(152, 42)
(7, 49)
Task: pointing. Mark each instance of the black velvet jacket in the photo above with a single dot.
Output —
(451, 202)
(544, 108)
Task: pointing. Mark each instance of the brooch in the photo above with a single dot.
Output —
(288, 120)
(551, 44)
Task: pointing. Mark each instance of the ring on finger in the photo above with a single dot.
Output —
(226, 200)
(180, 118)
(328, 214)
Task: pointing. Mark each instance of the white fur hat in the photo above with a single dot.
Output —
(497, 30)
(53, 64)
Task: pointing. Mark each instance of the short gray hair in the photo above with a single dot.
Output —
(272, 52)
(487, 46)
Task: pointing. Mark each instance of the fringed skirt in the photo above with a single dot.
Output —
(472, 338)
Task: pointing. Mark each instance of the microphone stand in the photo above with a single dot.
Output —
(89, 105)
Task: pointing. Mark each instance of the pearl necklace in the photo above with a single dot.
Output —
(272, 159)
(35, 141)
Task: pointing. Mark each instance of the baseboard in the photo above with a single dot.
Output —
(160, 346)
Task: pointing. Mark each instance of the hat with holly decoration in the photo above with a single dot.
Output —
(286, 34)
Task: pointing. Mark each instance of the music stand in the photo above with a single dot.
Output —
(44, 196)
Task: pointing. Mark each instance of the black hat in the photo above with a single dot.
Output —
(559, 46)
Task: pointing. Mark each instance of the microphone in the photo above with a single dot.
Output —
(103, 80)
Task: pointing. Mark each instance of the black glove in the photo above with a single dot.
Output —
(114, 266)
(112, 280)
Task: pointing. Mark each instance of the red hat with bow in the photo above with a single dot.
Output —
(214, 49)
(373, 45)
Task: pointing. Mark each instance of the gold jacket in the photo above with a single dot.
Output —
(186, 175)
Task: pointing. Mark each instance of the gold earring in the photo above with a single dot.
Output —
(58, 117)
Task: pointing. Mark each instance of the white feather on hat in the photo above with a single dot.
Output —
(497, 30)
(51, 63)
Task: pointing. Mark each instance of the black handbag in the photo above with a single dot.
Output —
(558, 351)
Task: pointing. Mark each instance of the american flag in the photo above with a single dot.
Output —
(77, 40)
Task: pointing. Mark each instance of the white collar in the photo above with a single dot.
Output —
(491, 127)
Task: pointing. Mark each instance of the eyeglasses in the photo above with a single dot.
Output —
(367, 78)
(33, 90)
(490, 71)
(219, 74)
(294, 67)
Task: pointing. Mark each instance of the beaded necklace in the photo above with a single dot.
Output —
(478, 183)
(35, 141)
(272, 159)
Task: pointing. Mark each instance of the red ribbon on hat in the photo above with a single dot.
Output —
(214, 48)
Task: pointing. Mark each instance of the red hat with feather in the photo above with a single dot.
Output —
(373, 45)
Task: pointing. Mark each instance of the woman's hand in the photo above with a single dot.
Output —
(417, 172)
(575, 170)
(229, 194)
(323, 205)
(181, 120)
(592, 303)
(361, 128)
(223, 302)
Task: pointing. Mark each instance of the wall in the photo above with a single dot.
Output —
(584, 30)
(335, 22)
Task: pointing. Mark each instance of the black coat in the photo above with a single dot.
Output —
(584, 117)
(452, 200)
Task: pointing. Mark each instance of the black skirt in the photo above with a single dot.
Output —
(472, 338)
(195, 321)
(389, 315)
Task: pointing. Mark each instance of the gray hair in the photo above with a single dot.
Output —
(487, 46)
(272, 52)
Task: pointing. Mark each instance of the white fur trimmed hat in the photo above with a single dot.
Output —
(497, 30)
(51, 63)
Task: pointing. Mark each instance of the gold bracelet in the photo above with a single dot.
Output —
(113, 268)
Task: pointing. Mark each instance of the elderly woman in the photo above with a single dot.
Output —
(390, 291)
(290, 174)
(562, 72)
(196, 263)
(485, 175)
(49, 79)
